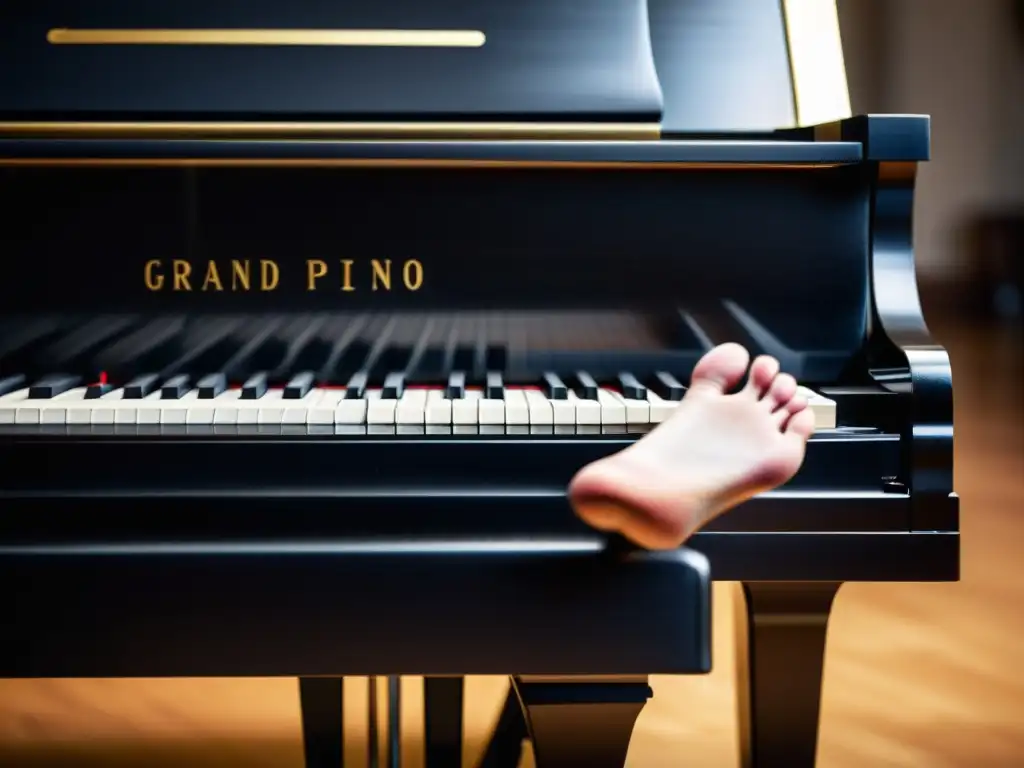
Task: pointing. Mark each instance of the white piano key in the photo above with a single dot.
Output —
(588, 412)
(613, 411)
(637, 411)
(248, 411)
(9, 405)
(412, 407)
(491, 411)
(661, 409)
(275, 411)
(102, 410)
(540, 410)
(517, 410)
(380, 411)
(297, 411)
(203, 411)
(439, 409)
(150, 410)
(55, 410)
(353, 410)
(78, 411)
(29, 410)
(225, 406)
(823, 408)
(126, 412)
(175, 412)
(324, 410)
(564, 411)
(465, 410)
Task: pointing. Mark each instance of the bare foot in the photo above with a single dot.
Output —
(715, 451)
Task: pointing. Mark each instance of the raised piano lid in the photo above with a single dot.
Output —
(748, 65)
(447, 61)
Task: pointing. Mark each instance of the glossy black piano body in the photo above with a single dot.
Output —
(635, 226)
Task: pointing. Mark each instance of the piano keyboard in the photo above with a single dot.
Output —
(551, 406)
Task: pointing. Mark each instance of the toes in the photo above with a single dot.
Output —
(781, 391)
(762, 372)
(795, 405)
(721, 369)
(801, 424)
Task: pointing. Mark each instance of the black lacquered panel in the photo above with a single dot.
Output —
(254, 241)
(527, 60)
(634, 352)
(722, 65)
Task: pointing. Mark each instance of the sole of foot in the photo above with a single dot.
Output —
(718, 449)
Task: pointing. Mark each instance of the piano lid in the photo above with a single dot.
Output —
(748, 65)
(360, 61)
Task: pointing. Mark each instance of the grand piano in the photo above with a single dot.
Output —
(310, 311)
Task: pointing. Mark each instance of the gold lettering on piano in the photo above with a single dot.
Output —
(315, 269)
(270, 275)
(412, 275)
(236, 275)
(212, 277)
(383, 273)
(182, 269)
(241, 274)
(346, 275)
(154, 279)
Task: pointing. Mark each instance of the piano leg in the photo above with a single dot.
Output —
(442, 700)
(781, 653)
(506, 745)
(321, 700)
(585, 722)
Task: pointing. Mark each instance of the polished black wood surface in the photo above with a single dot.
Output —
(681, 241)
(536, 60)
(874, 502)
(916, 673)
(686, 65)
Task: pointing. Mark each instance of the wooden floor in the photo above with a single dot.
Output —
(917, 674)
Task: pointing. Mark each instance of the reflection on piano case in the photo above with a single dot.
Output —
(293, 377)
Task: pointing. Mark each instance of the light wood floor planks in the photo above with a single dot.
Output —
(917, 674)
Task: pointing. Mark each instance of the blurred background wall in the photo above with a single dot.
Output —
(962, 62)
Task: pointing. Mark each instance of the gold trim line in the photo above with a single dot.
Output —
(328, 130)
(820, 91)
(400, 38)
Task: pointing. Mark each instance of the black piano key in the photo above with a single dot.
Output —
(496, 357)
(356, 387)
(667, 387)
(260, 351)
(53, 385)
(301, 334)
(463, 357)
(495, 386)
(587, 387)
(94, 391)
(631, 387)
(175, 387)
(456, 389)
(212, 385)
(554, 387)
(394, 386)
(341, 351)
(299, 385)
(146, 349)
(430, 366)
(11, 383)
(255, 386)
(140, 386)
